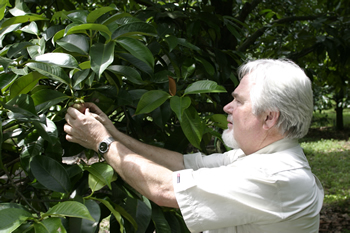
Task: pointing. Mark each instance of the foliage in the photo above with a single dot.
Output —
(154, 67)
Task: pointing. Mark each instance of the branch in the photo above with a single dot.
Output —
(250, 40)
(303, 53)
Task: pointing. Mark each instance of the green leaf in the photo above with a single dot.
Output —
(137, 49)
(172, 42)
(17, 48)
(22, 19)
(7, 30)
(32, 28)
(22, 101)
(12, 218)
(24, 84)
(204, 86)
(192, 126)
(151, 100)
(207, 66)
(95, 183)
(59, 59)
(128, 72)
(220, 120)
(75, 43)
(96, 27)
(159, 220)
(95, 14)
(179, 104)
(84, 225)
(139, 64)
(102, 55)
(46, 98)
(102, 171)
(185, 43)
(6, 79)
(5, 62)
(70, 209)
(47, 130)
(114, 18)
(48, 225)
(116, 214)
(51, 174)
(1, 141)
(54, 72)
(141, 28)
(3, 5)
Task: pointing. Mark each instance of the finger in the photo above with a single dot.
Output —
(67, 128)
(73, 113)
(69, 138)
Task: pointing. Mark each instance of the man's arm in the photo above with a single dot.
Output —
(149, 178)
(169, 159)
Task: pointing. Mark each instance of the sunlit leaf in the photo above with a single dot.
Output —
(75, 43)
(59, 59)
(102, 171)
(102, 55)
(95, 14)
(21, 19)
(54, 72)
(17, 48)
(70, 209)
(24, 84)
(12, 218)
(204, 86)
(95, 27)
(46, 98)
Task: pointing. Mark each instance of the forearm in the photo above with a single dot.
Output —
(150, 179)
(169, 159)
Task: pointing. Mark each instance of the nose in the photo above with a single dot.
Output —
(228, 108)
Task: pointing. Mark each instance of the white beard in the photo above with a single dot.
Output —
(229, 139)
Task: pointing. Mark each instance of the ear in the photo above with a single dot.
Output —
(270, 120)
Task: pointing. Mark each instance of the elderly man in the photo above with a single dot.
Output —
(264, 185)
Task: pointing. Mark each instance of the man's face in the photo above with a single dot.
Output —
(244, 129)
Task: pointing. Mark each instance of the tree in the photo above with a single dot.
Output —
(154, 67)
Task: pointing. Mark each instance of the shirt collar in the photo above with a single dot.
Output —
(279, 145)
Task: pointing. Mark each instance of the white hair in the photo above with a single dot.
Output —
(281, 86)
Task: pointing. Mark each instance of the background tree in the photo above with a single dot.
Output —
(155, 68)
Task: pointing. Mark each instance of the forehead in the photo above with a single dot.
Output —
(243, 89)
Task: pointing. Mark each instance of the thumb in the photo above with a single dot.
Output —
(87, 112)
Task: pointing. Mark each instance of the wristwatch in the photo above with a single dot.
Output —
(103, 147)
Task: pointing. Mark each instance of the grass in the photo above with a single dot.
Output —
(330, 162)
(328, 152)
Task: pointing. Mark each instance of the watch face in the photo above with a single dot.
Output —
(103, 147)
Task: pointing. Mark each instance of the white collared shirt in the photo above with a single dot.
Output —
(272, 191)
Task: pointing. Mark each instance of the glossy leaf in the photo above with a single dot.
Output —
(116, 214)
(69, 209)
(5, 62)
(95, 27)
(12, 218)
(59, 59)
(48, 225)
(151, 100)
(179, 104)
(103, 172)
(137, 49)
(6, 79)
(141, 65)
(54, 72)
(21, 19)
(47, 130)
(3, 5)
(204, 86)
(192, 126)
(207, 66)
(102, 55)
(141, 28)
(75, 43)
(220, 120)
(18, 47)
(46, 98)
(32, 28)
(6, 31)
(84, 225)
(129, 73)
(94, 15)
(51, 174)
(159, 220)
(24, 84)
(114, 18)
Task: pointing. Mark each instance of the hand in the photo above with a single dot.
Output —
(84, 128)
